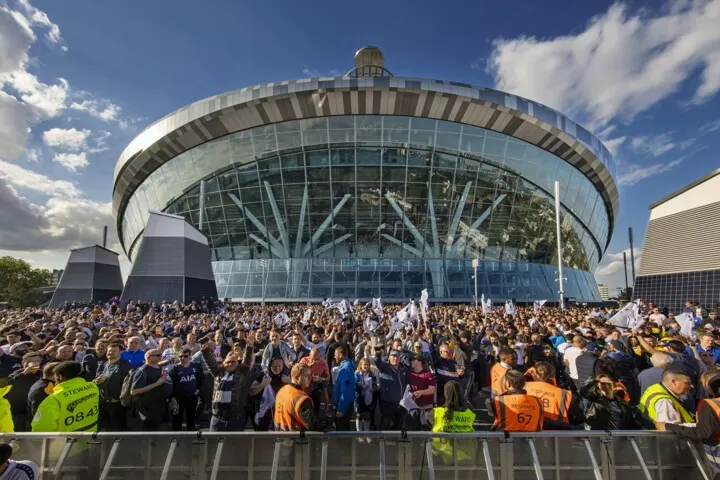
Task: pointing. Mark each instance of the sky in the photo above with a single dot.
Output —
(80, 78)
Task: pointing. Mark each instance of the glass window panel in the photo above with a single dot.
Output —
(422, 131)
(495, 144)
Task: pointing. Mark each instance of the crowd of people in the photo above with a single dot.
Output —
(233, 367)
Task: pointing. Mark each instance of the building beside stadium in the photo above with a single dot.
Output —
(681, 253)
(372, 185)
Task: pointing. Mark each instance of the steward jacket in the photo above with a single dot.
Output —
(561, 408)
(72, 407)
(658, 392)
(294, 411)
(516, 411)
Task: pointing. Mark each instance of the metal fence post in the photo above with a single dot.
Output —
(507, 460)
(198, 469)
(94, 458)
(607, 457)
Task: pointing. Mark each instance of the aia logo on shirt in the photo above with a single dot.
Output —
(187, 378)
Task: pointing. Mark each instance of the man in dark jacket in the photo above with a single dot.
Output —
(41, 389)
(113, 416)
(628, 370)
(232, 388)
(446, 369)
(22, 380)
(392, 389)
(93, 362)
(587, 362)
(187, 378)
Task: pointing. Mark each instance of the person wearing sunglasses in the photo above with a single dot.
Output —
(187, 378)
(151, 386)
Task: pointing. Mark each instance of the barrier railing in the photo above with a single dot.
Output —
(350, 455)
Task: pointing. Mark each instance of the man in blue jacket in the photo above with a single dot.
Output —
(344, 391)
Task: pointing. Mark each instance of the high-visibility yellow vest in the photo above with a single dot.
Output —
(72, 407)
(6, 421)
(658, 392)
(461, 422)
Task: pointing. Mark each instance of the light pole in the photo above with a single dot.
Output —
(475, 266)
(559, 244)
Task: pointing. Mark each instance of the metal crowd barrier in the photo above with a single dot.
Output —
(372, 455)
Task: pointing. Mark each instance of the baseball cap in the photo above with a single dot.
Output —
(395, 353)
(592, 347)
(617, 344)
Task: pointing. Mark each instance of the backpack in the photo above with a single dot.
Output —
(125, 398)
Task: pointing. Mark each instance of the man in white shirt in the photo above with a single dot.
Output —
(12, 470)
(571, 354)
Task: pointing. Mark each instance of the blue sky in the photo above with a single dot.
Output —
(79, 79)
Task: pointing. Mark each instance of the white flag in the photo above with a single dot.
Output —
(370, 325)
(356, 302)
(424, 305)
(341, 307)
(486, 304)
(626, 317)
(377, 307)
(509, 307)
(308, 315)
(281, 319)
(687, 325)
(408, 402)
(267, 402)
(537, 305)
(327, 303)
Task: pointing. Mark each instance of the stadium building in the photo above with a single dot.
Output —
(372, 185)
(681, 253)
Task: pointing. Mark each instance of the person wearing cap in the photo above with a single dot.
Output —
(423, 386)
(663, 402)
(15, 470)
(707, 428)
(392, 388)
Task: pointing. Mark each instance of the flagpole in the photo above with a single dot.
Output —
(475, 266)
(559, 244)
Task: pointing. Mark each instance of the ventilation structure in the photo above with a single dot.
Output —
(92, 274)
(173, 263)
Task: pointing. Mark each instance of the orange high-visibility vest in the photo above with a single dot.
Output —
(714, 404)
(497, 374)
(287, 407)
(555, 401)
(518, 412)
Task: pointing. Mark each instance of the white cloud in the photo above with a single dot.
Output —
(104, 110)
(68, 138)
(59, 224)
(610, 270)
(621, 64)
(46, 100)
(709, 127)
(613, 144)
(630, 174)
(14, 121)
(20, 177)
(654, 145)
(34, 155)
(71, 161)
(15, 39)
(40, 18)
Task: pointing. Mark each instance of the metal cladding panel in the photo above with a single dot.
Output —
(106, 257)
(160, 256)
(674, 244)
(82, 255)
(77, 275)
(199, 288)
(153, 289)
(672, 290)
(171, 226)
(197, 260)
(70, 295)
(107, 277)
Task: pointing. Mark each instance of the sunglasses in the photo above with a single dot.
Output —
(184, 356)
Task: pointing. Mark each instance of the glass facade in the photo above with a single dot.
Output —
(367, 206)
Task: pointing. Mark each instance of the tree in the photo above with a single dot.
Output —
(20, 283)
(626, 294)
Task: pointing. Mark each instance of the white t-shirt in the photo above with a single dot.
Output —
(571, 354)
(520, 351)
(22, 470)
(658, 319)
